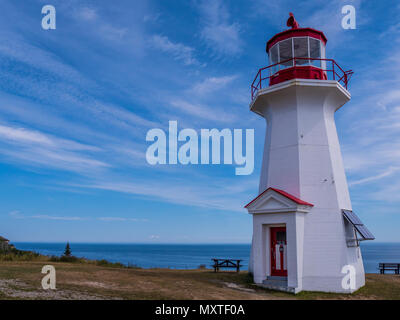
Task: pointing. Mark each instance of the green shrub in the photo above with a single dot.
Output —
(105, 263)
(65, 258)
(20, 255)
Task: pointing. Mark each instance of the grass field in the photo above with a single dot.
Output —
(22, 280)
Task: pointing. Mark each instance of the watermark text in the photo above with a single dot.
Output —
(204, 150)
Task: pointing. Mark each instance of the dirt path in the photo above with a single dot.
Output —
(17, 289)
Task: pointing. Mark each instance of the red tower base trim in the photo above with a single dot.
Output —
(298, 72)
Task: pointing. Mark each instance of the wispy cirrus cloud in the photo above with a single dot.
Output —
(202, 111)
(389, 172)
(218, 32)
(212, 84)
(205, 101)
(178, 51)
(49, 79)
(121, 219)
(18, 215)
(60, 218)
(218, 196)
(31, 137)
(32, 147)
(87, 13)
(92, 17)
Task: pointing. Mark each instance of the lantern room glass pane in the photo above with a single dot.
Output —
(323, 56)
(274, 58)
(285, 53)
(315, 52)
(300, 46)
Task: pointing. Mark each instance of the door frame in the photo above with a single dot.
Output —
(273, 231)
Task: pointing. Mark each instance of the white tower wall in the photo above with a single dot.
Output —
(302, 157)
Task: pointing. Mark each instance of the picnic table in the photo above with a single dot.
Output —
(226, 263)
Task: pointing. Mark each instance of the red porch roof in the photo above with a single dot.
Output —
(284, 193)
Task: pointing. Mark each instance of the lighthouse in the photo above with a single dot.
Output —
(306, 235)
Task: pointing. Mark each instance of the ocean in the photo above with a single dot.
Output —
(189, 256)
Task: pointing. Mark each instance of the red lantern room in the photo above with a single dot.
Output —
(298, 53)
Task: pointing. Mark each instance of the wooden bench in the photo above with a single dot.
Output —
(389, 267)
(226, 263)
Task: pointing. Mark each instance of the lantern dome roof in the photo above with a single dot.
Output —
(295, 31)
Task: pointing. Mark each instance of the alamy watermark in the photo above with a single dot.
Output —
(349, 280)
(194, 148)
(349, 20)
(49, 280)
(49, 20)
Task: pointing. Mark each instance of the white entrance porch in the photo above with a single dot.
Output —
(273, 211)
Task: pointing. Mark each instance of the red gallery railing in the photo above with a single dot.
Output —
(331, 71)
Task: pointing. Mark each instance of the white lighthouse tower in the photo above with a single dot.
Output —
(305, 234)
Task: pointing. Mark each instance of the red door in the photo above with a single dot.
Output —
(278, 252)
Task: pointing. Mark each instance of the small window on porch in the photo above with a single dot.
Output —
(281, 236)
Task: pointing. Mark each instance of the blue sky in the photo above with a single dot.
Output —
(76, 104)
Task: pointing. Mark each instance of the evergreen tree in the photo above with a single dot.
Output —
(67, 251)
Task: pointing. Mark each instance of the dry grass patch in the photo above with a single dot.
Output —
(22, 280)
